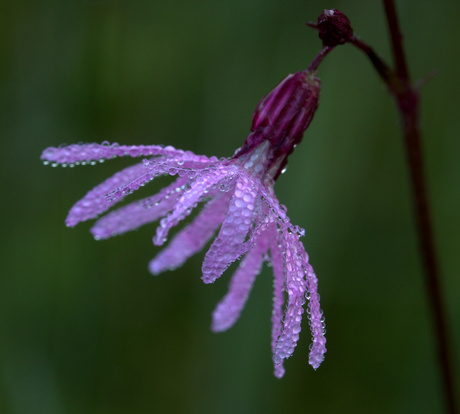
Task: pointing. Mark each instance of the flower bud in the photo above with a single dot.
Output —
(279, 121)
(334, 28)
(284, 114)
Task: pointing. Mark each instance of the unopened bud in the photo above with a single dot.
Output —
(284, 114)
(280, 119)
(334, 28)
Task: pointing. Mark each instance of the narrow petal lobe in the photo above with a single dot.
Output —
(230, 243)
(139, 212)
(193, 237)
(229, 309)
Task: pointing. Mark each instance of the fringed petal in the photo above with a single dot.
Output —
(279, 210)
(295, 260)
(183, 166)
(230, 243)
(192, 238)
(140, 212)
(151, 171)
(95, 201)
(229, 308)
(317, 322)
(277, 261)
(188, 201)
(90, 153)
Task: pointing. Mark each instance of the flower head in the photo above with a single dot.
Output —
(238, 201)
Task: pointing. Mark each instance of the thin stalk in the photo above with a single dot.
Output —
(319, 58)
(407, 101)
(399, 57)
(334, 28)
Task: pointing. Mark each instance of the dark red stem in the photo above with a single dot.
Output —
(319, 58)
(407, 101)
(409, 115)
(334, 28)
(399, 56)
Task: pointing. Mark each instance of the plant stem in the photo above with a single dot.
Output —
(319, 58)
(407, 101)
(399, 56)
(335, 28)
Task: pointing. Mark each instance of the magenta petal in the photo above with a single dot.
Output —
(187, 202)
(296, 287)
(161, 166)
(279, 210)
(317, 324)
(86, 153)
(229, 308)
(139, 212)
(192, 238)
(95, 202)
(185, 165)
(277, 261)
(230, 243)
(151, 171)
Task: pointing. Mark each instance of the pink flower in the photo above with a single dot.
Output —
(238, 201)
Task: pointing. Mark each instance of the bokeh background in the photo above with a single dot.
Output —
(84, 328)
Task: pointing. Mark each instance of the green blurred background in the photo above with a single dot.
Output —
(84, 328)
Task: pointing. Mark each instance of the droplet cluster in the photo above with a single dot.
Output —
(317, 320)
(280, 211)
(82, 154)
(95, 202)
(295, 286)
(115, 188)
(277, 261)
(229, 244)
(193, 237)
(186, 203)
(139, 212)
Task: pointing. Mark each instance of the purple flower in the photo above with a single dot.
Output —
(238, 201)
